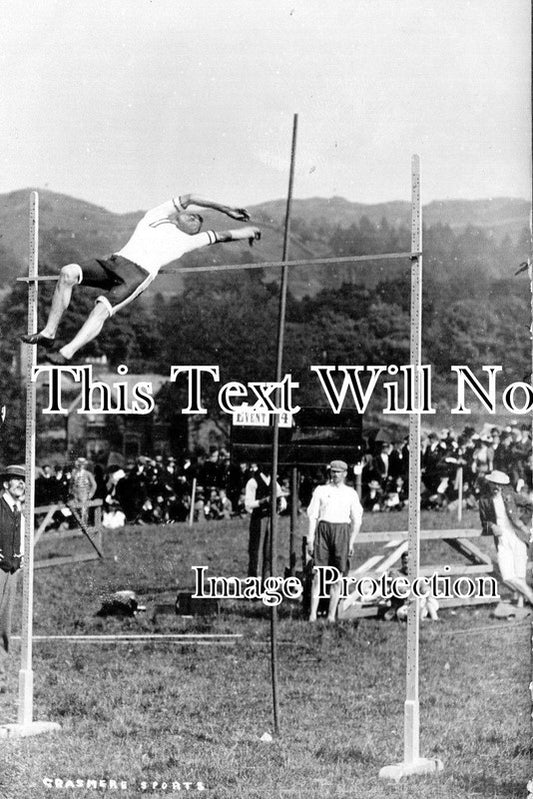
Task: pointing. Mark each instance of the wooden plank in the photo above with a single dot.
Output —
(456, 601)
(456, 568)
(426, 535)
(356, 611)
(64, 535)
(469, 550)
(42, 527)
(370, 565)
(92, 503)
(66, 561)
(93, 533)
(427, 571)
(380, 563)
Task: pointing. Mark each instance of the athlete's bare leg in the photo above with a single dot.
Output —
(89, 330)
(68, 277)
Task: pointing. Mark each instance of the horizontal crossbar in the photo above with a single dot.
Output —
(385, 256)
(303, 262)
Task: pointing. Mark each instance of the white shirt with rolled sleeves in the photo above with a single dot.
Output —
(157, 241)
(337, 504)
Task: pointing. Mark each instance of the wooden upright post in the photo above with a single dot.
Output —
(413, 763)
(26, 725)
(411, 719)
(25, 710)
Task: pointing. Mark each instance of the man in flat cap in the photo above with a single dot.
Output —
(11, 543)
(500, 517)
(335, 516)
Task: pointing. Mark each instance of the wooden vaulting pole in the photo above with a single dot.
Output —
(275, 435)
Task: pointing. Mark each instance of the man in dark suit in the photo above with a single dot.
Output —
(11, 543)
(500, 517)
(257, 502)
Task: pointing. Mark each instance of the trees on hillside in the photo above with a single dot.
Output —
(230, 319)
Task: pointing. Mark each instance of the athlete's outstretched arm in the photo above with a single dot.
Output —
(235, 213)
(239, 234)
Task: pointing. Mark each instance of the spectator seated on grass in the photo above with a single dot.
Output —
(373, 497)
(113, 517)
(428, 605)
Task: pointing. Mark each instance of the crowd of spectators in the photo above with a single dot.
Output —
(159, 489)
(452, 467)
(164, 490)
(150, 490)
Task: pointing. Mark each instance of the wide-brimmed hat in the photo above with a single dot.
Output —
(498, 478)
(14, 471)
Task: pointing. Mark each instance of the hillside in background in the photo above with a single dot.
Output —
(499, 216)
(476, 309)
(74, 230)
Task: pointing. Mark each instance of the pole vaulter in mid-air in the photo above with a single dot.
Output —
(163, 235)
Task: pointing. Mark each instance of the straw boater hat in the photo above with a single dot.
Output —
(14, 471)
(498, 478)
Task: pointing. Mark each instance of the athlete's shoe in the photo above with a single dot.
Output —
(56, 358)
(38, 338)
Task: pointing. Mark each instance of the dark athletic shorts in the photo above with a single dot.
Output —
(120, 278)
(332, 545)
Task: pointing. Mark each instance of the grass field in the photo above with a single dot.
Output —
(168, 713)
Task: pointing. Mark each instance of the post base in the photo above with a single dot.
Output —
(421, 765)
(25, 730)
